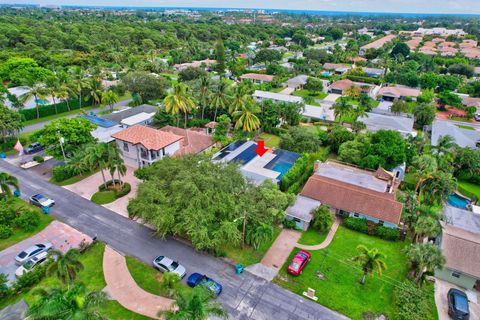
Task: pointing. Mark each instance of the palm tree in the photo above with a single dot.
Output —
(444, 145)
(371, 260)
(110, 98)
(95, 90)
(341, 109)
(65, 266)
(67, 303)
(426, 226)
(424, 257)
(423, 168)
(195, 304)
(115, 162)
(204, 93)
(239, 99)
(35, 90)
(169, 283)
(96, 156)
(7, 181)
(261, 233)
(220, 98)
(245, 118)
(79, 82)
(179, 100)
(52, 88)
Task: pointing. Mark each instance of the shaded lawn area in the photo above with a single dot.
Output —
(277, 90)
(72, 180)
(312, 237)
(341, 289)
(103, 197)
(469, 187)
(465, 127)
(305, 93)
(92, 278)
(248, 255)
(271, 140)
(19, 234)
(56, 116)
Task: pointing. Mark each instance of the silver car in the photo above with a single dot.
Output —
(32, 251)
(165, 264)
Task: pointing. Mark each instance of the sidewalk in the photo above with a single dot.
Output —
(325, 242)
(123, 288)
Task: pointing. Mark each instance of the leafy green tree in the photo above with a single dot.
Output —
(221, 129)
(163, 118)
(65, 266)
(196, 304)
(74, 131)
(339, 135)
(192, 73)
(67, 303)
(146, 85)
(300, 140)
(313, 85)
(400, 48)
(6, 182)
(267, 55)
(10, 122)
(424, 114)
(449, 98)
(322, 218)
(220, 57)
(179, 100)
(17, 69)
(371, 260)
(260, 234)
(4, 289)
(424, 257)
(109, 98)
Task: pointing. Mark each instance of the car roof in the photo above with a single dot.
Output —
(166, 261)
(38, 196)
(39, 256)
(32, 248)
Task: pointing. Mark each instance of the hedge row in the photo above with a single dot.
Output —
(300, 171)
(364, 79)
(361, 225)
(45, 111)
(62, 173)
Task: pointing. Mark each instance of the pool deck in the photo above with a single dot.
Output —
(257, 165)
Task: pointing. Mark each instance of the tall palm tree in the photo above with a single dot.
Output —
(65, 266)
(110, 98)
(7, 181)
(169, 283)
(34, 89)
(204, 93)
(195, 304)
(96, 156)
(246, 118)
(371, 260)
(444, 145)
(95, 90)
(423, 168)
(52, 88)
(426, 226)
(79, 82)
(67, 303)
(179, 100)
(424, 257)
(115, 162)
(341, 109)
(220, 97)
(239, 98)
(261, 233)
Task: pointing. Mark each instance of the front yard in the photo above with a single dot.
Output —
(306, 93)
(340, 290)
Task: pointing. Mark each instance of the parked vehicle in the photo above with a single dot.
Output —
(40, 200)
(458, 305)
(165, 264)
(34, 148)
(477, 116)
(31, 263)
(299, 262)
(32, 251)
(197, 279)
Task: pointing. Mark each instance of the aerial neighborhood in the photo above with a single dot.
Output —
(238, 164)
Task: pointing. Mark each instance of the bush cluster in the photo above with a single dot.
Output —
(22, 217)
(361, 225)
(62, 173)
(38, 158)
(299, 172)
(49, 110)
(386, 233)
(27, 220)
(118, 194)
(10, 142)
(5, 231)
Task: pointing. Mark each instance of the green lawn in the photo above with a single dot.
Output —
(306, 93)
(271, 140)
(248, 255)
(103, 197)
(72, 180)
(92, 277)
(19, 234)
(465, 127)
(56, 116)
(277, 90)
(341, 290)
(312, 237)
(469, 188)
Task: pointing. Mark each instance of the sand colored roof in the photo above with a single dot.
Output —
(353, 198)
(211, 125)
(333, 66)
(150, 138)
(377, 44)
(399, 92)
(346, 83)
(471, 102)
(461, 249)
(257, 76)
(193, 141)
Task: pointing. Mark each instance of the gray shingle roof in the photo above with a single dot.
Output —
(119, 116)
(302, 208)
(375, 122)
(462, 137)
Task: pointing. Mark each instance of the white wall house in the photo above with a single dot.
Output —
(141, 146)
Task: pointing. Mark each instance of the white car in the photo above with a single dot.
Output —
(31, 252)
(40, 200)
(31, 264)
(165, 264)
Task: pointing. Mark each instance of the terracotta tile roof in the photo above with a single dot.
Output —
(461, 249)
(352, 198)
(194, 142)
(150, 138)
(377, 44)
(257, 76)
(333, 66)
(400, 91)
(346, 83)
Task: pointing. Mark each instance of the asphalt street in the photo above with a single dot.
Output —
(245, 296)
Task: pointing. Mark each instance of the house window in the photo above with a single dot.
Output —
(356, 215)
(125, 146)
(380, 222)
(296, 220)
(456, 274)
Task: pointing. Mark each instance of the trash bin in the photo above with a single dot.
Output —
(46, 210)
(239, 268)
(3, 155)
(16, 193)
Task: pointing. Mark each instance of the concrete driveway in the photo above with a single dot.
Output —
(62, 236)
(332, 97)
(441, 290)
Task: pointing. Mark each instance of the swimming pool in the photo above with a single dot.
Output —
(458, 201)
(282, 167)
(99, 121)
(282, 162)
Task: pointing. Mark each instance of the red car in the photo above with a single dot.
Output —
(299, 262)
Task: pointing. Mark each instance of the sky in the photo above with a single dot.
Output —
(401, 6)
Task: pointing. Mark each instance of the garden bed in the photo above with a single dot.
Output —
(111, 192)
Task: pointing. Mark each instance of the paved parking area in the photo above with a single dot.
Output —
(441, 290)
(62, 236)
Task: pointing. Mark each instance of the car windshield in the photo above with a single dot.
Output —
(303, 255)
(461, 303)
(40, 197)
(294, 265)
(22, 254)
(28, 265)
(173, 266)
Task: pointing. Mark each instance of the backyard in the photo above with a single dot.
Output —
(340, 289)
(469, 189)
(271, 140)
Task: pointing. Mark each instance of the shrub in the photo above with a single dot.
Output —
(386, 233)
(118, 194)
(62, 173)
(299, 170)
(27, 220)
(29, 279)
(356, 224)
(5, 231)
(289, 224)
(7, 212)
(411, 302)
(4, 289)
(141, 173)
(322, 218)
(10, 142)
(38, 158)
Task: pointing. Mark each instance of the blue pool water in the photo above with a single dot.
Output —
(282, 167)
(99, 121)
(283, 161)
(326, 74)
(458, 201)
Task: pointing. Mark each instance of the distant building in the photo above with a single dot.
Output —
(398, 93)
(267, 95)
(297, 82)
(128, 117)
(194, 64)
(257, 78)
(444, 32)
(401, 124)
(377, 44)
(336, 68)
(462, 137)
(374, 72)
(340, 86)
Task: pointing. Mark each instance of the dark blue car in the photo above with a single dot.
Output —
(196, 279)
(458, 305)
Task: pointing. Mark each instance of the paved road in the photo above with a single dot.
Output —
(40, 125)
(475, 125)
(245, 296)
